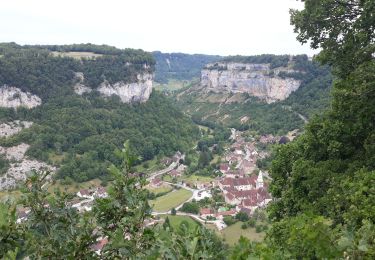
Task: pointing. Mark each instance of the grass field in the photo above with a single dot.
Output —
(75, 187)
(176, 220)
(170, 200)
(10, 195)
(172, 85)
(162, 189)
(153, 165)
(232, 233)
(3, 213)
(192, 179)
(77, 54)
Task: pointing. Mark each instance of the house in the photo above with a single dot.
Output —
(248, 166)
(247, 192)
(98, 247)
(203, 194)
(221, 215)
(174, 173)
(206, 212)
(100, 192)
(231, 199)
(247, 211)
(166, 161)
(85, 193)
(246, 183)
(224, 168)
(156, 182)
(22, 214)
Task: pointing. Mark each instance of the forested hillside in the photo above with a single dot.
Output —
(79, 133)
(243, 112)
(180, 66)
(323, 183)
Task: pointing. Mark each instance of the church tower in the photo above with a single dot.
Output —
(259, 182)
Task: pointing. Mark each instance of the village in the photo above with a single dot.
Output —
(240, 188)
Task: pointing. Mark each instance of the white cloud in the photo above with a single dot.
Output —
(192, 26)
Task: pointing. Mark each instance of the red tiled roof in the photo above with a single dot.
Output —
(100, 244)
(224, 167)
(205, 211)
(229, 195)
(226, 213)
(84, 192)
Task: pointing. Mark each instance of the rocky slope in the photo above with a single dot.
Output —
(139, 91)
(20, 167)
(258, 80)
(12, 97)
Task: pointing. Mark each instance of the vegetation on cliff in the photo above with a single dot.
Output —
(180, 66)
(79, 133)
(243, 112)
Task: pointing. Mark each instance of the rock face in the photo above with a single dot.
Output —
(129, 92)
(14, 127)
(256, 79)
(20, 166)
(79, 88)
(12, 97)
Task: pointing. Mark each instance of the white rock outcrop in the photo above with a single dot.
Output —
(14, 127)
(20, 167)
(19, 171)
(12, 97)
(256, 79)
(79, 87)
(139, 91)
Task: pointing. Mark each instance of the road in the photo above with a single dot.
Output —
(218, 223)
(163, 171)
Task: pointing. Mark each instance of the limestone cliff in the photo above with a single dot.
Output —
(139, 91)
(12, 97)
(256, 79)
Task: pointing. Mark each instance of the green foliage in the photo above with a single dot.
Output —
(84, 131)
(190, 207)
(303, 236)
(342, 29)
(54, 230)
(11, 235)
(180, 66)
(274, 60)
(34, 69)
(52, 224)
(323, 182)
(124, 211)
(189, 243)
(229, 220)
(242, 216)
(278, 118)
(4, 164)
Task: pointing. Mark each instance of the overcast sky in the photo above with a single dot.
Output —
(221, 27)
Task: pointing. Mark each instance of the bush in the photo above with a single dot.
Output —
(242, 216)
(173, 211)
(258, 228)
(252, 222)
(244, 226)
(229, 220)
(190, 207)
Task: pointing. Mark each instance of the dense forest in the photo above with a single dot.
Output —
(180, 66)
(274, 60)
(80, 133)
(35, 69)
